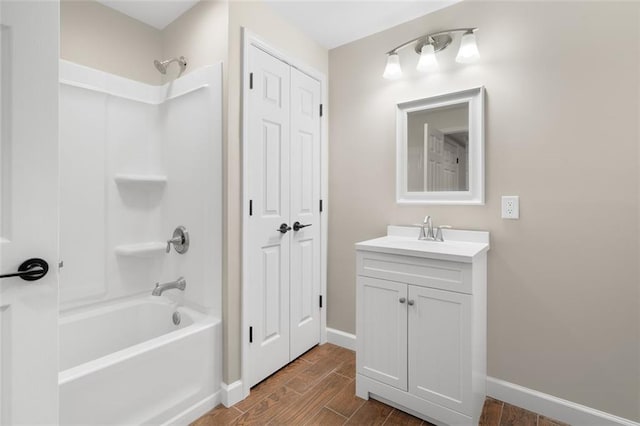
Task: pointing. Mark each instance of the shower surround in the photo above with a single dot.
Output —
(136, 162)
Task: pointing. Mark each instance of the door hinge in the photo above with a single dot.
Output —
(457, 160)
(250, 80)
(320, 206)
(250, 207)
(320, 110)
(250, 334)
(321, 301)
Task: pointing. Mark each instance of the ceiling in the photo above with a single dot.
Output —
(331, 23)
(157, 13)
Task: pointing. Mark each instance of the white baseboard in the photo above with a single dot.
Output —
(196, 411)
(340, 338)
(551, 406)
(232, 394)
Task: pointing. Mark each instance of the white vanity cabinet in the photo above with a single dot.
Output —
(421, 324)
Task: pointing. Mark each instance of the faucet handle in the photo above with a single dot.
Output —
(439, 236)
(179, 239)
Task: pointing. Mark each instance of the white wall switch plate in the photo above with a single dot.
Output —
(510, 207)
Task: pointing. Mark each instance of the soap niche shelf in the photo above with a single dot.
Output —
(150, 249)
(133, 179)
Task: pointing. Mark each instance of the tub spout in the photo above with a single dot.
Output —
(180, 284)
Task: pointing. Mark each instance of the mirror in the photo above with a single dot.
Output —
(440, 149)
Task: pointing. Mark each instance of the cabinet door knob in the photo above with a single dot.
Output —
(411, 302)
(402, 300)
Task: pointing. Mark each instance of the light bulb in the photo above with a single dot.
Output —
(392, 71)
(428, 61)
(468, 51)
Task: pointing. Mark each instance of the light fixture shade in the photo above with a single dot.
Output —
(427, 61)
(468, 51)
(392, 71)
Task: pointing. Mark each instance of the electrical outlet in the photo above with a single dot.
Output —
(510, 207)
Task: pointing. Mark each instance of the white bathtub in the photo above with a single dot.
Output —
(127, 363)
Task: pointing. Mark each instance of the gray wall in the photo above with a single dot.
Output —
(562, 83)
(99, 37)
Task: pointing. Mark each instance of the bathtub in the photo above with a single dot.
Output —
(128, 363)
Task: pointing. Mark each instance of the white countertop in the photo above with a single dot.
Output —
(458, 245)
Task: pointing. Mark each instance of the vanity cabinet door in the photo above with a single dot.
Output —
(440, 347)
(382, 331)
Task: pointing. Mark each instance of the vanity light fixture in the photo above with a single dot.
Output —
(427, 61)
(392, 71)
(427, 45)
(468, 51)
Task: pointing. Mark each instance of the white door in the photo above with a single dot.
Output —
(284, 223)
(305, 198)
(382, 331)
(28, 210)
(268, 186)
(440, 347)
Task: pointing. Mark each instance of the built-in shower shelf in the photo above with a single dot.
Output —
(141, 179)
(152, 249)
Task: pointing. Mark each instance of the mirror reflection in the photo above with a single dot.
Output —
(438, 149)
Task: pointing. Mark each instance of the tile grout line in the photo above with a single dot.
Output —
(388, 415)
(344, 417)
(501, 412)
(354, 413)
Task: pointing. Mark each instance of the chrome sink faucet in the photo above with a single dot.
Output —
(180, 284)
(426, 231)
(426, 234)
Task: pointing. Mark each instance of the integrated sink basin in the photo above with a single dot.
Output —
(458, 245)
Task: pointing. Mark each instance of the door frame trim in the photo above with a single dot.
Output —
(251, 39)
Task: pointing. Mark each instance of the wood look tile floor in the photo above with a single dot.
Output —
(319, 389)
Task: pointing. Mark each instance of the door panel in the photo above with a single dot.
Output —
(28, 210)
(450, 167)
(440, 347)
(434, 158)
(269, 250)
(382, 331)
(305, 198)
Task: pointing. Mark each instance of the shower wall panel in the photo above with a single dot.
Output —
(137, 161)
(191, 120)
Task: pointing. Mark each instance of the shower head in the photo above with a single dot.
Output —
(162, 65)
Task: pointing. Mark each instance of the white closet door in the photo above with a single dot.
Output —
(268, 251)
(305, 198)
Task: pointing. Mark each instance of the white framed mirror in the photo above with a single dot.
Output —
(440, 149)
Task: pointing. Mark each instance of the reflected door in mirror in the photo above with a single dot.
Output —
(437, 149)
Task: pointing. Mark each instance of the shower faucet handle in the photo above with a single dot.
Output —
(180, 240)
(176, 240)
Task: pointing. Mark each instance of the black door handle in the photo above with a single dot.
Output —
(284, 228)
(30, 270)
(298, 226)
